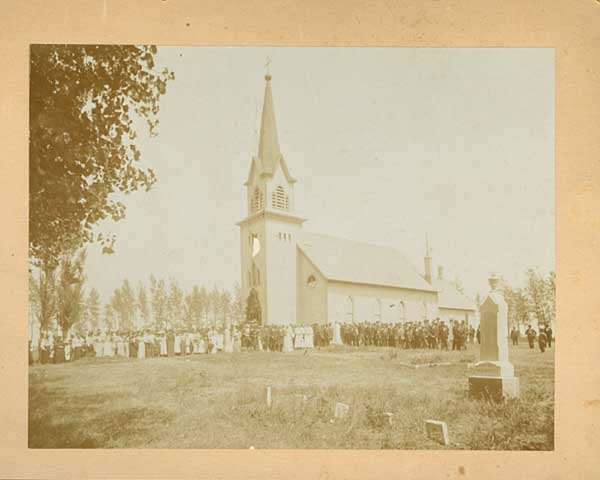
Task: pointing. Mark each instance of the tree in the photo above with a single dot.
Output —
(82, 106)
(142, 303)
(225, 307)
(158, 294)
(188, 310)
(518, 310)
(551, 295)
(175, 304)
(215, 305)
(109, 317)
(204, 304)
(69, 291)
(195, 305)
(253, 312)
(93, 308)
(43, 296)
(237, 305)
(540, 294)
(124, 305)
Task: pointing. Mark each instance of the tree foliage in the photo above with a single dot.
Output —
(534, 301)
(541, 294)
(43, 296)
(124, 305)
(85, 101)
(142, 304)
(159, 298)
(69, 291)
(253, 311)
(93, 308)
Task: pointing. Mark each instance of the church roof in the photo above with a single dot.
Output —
(450, 297)
(358, 262)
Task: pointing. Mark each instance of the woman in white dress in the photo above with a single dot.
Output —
(120, 346)
(337, 337)
(141, 353)
(213, 341)
(162, 340)
(298, 337)
(220, 341)
(227, 340)
(177, 347)
(108, 346)
(68, 349)
(203, 343)
(98, 345)
(310, 337)
(288, 340)
(237, 341)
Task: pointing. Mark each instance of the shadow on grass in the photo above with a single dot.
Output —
(91, 421)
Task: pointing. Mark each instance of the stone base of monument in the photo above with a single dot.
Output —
(493, 388)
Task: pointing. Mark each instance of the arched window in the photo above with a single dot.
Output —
(377, 310)
(256, 199)
(279, 199)
(350, 310)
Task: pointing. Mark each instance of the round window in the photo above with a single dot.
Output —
(312, 281)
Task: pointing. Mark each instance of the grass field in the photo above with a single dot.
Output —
(218, 401)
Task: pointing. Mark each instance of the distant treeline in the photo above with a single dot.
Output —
(58, 298)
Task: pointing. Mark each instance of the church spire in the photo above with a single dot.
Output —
(268, 144)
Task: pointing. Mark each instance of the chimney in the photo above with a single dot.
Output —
(427, 261)
(440, 272)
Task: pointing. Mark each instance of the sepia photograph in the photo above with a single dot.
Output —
(291, 248)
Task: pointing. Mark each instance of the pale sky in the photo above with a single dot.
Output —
(386, 143)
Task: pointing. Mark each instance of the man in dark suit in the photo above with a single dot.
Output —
(542, 340)
(514, 336)
(530, 332)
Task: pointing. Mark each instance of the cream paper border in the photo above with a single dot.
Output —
(571, 27)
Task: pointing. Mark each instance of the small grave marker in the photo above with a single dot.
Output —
(341, 410)
(437, 431)
(269, 398)
(388, 418)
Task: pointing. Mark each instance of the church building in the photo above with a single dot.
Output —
(303, 278)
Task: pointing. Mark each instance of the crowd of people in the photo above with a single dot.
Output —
(150, 343)
(544, 336)
(435, 334)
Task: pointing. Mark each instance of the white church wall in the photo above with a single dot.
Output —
(370, 303)
(311, 295)
(280, 275)
(447, 314)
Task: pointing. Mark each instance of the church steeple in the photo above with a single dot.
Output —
(268, 144)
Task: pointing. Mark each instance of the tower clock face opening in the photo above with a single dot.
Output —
(255, 245)
(311, 281)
